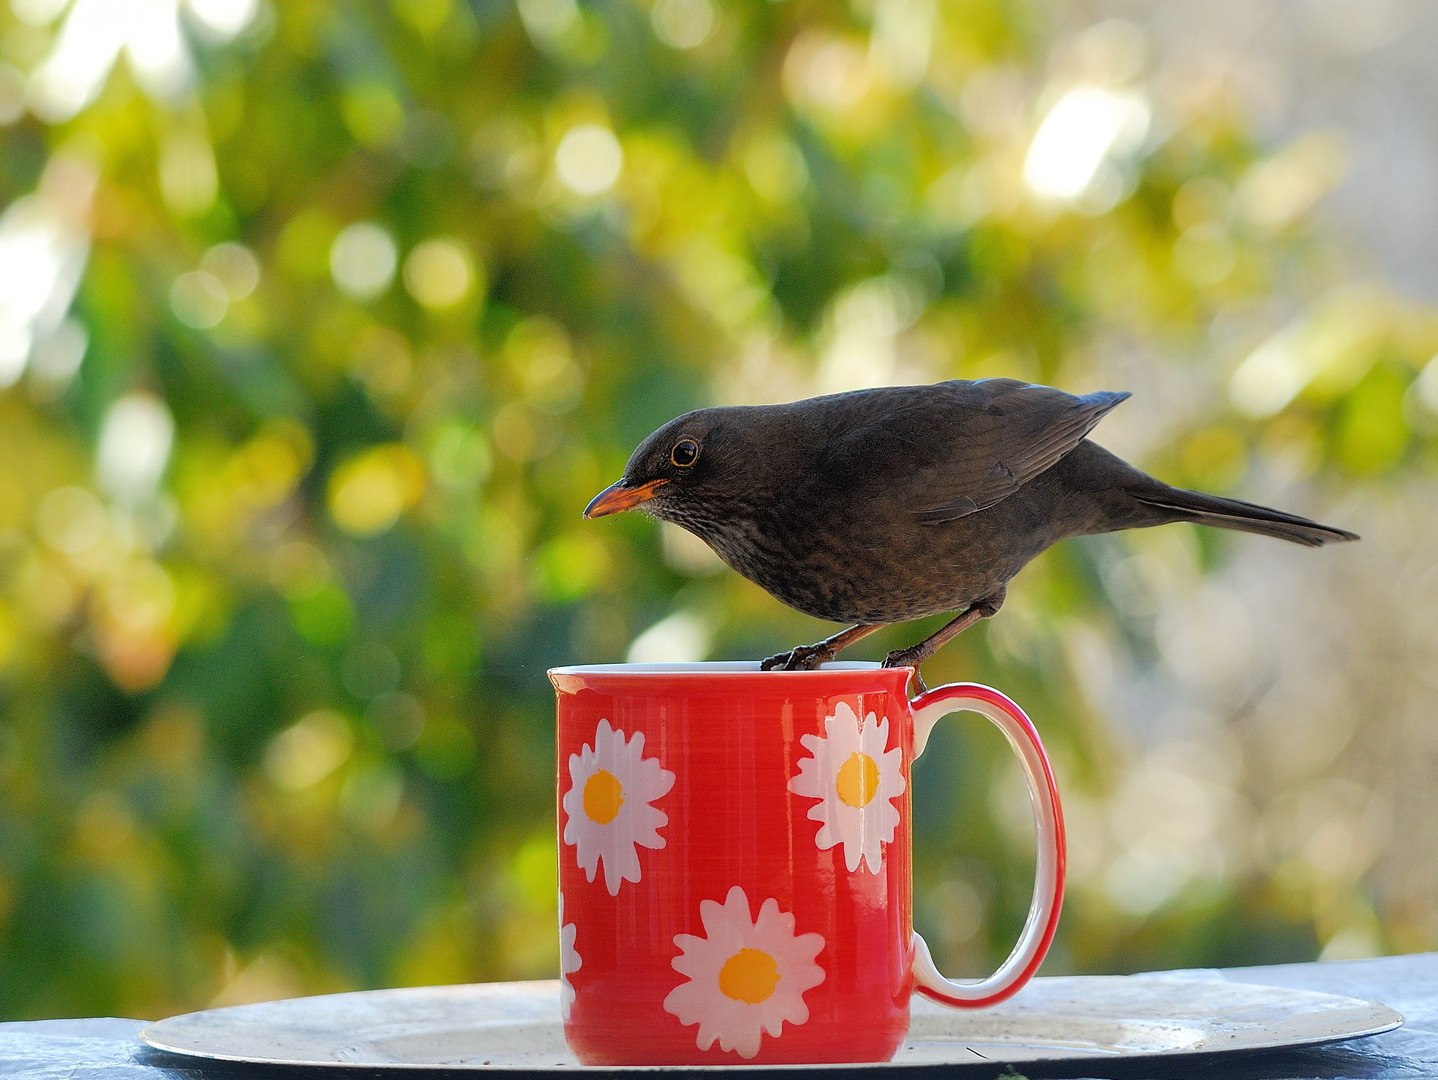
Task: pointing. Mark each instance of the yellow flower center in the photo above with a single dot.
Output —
(749, 975)
(858, 779)
(603, 796)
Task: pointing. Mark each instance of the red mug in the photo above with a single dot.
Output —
(735, 877)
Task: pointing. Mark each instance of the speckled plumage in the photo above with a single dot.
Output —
(885, 505)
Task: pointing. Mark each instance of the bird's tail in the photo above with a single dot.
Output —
(1182, 505)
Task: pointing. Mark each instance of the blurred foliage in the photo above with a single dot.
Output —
(321, 321)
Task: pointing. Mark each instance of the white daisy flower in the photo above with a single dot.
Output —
(855, 778)
(607, 805)
(569, 960)
(745, 977)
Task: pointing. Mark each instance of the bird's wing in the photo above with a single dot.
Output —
(966, 446)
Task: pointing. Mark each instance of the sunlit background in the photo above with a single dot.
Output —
(321, 321)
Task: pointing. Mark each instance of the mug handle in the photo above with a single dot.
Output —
(1043, 919)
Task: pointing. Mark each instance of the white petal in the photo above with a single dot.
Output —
(747, 1043)
(686, 1001)
(773, 924)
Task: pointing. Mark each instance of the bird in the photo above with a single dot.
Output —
(890, 504)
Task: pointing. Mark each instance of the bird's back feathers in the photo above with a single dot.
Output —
(948, 450)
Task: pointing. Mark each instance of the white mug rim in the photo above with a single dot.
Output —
(713, 667)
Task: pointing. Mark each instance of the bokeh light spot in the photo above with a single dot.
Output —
(546, 21)
(199, 299)
(1085, 127)
(682, 638)
(826, 73)
(310, 750)
(682, 24)
(225, 18)
(369, 491)
(589, 159)
(235, 267)
(439, 273)
(362, 260)
(902, 40)
(37, 12)
(134, 447)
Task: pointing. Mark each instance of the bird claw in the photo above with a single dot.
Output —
(910, 659)
(799, 658)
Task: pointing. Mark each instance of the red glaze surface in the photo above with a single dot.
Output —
(734, 744)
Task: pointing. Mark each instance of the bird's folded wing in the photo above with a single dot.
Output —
(978, 443)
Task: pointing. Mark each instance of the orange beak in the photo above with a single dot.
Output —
(618, 496)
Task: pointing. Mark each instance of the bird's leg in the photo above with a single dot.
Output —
(808, 657)
(915, 655)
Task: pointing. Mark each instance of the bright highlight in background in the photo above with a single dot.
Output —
(135, 442)
(438, 273)
(682, 24)
(37, 12)
(548, 20)
(589, 159)
(43, 251)
(96, 32)
(368, 492)
(1085, 127)
(235, 267)
(362, 260)
(304, 754)
(682, 638)
(199, 300)
(224, 18)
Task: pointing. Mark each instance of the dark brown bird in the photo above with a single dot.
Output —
(881, 506)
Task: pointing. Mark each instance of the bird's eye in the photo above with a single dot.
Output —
(685, 453)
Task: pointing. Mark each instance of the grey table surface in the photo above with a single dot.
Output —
(107, 1049)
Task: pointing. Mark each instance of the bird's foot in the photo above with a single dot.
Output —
(909, 658)
(800, 658)
(912, 657)
(915, 655)
(809, 657)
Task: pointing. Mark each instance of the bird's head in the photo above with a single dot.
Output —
(688, 463)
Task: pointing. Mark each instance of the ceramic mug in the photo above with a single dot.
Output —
(735, 869)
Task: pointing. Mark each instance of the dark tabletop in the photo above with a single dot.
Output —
(106, 1049)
